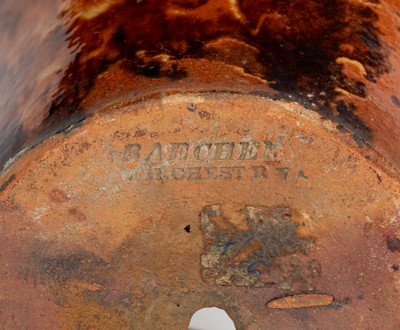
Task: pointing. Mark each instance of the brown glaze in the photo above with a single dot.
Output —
(293, 45)
(326, 55)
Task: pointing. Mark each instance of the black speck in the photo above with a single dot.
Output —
(361, 297)
(187, 228)
(346, 301)
(395, 268)
(192, 107)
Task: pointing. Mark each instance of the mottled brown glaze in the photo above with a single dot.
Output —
(76, 57)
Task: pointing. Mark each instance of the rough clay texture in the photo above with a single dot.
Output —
(147, 213)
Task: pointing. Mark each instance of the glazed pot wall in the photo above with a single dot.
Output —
(61, 61)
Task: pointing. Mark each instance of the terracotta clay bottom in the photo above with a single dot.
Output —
(150, 212)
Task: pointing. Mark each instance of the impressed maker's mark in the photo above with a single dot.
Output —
(205, 161)
(203, 152)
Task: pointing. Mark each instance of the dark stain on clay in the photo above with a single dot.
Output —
(395, 101)
(78, 215)
(292, 44)
(79, 266)
(81, 272)
(58, 196)
(393, 244)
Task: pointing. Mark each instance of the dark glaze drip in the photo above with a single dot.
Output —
(297, 45)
